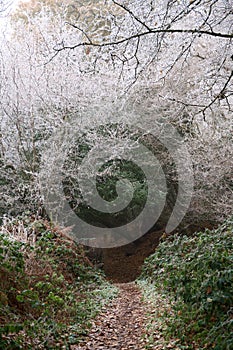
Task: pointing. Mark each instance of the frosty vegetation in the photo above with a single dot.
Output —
(84, 61)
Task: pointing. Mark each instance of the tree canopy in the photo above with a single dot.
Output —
(121, 62)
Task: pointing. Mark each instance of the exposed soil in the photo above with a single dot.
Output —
(123, 264)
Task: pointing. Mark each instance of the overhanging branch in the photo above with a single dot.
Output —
(145, 33)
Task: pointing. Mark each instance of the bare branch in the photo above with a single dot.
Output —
(152, 31)
(132, 14)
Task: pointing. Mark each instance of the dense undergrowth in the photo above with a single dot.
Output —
(49, 291)
(194, 277)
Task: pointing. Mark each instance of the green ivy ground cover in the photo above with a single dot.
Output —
(196, 275)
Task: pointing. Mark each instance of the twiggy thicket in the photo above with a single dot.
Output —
(80, 61)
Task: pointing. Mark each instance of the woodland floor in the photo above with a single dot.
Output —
(122, 324)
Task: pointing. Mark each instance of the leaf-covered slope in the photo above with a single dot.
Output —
(48, 289)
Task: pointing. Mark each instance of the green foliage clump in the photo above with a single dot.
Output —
(197, 273)
(49, 290)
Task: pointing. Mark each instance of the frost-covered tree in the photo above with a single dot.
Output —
(163, 36)
(173, 58)
(168, 62)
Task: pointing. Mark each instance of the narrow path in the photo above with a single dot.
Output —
(121, 325)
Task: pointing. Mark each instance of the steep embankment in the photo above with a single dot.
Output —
(193, 276)
(123, 264)
(49, 290)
